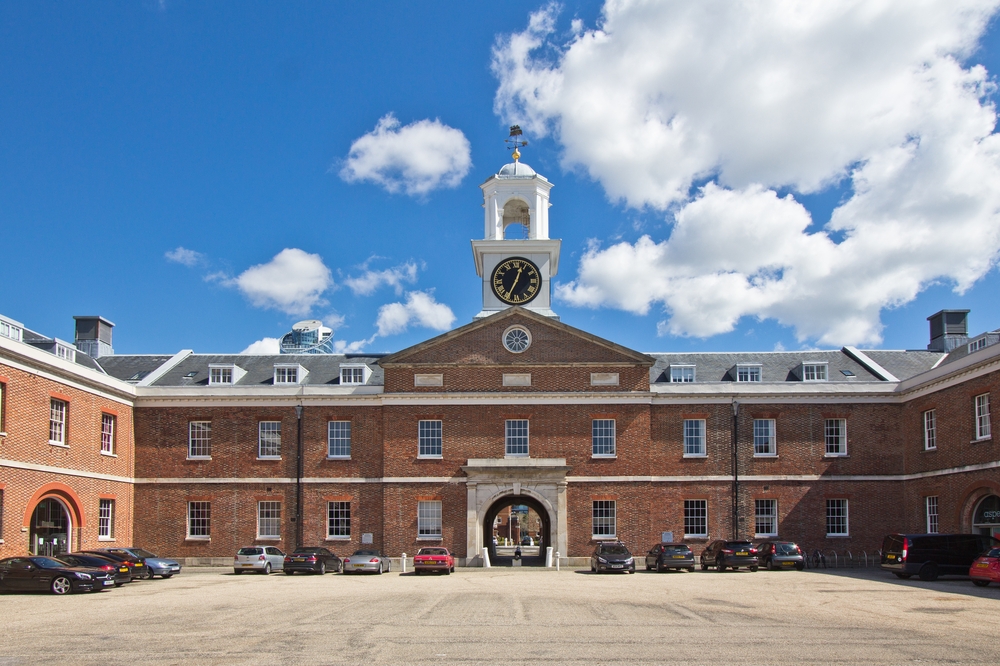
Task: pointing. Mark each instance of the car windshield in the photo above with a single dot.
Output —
(49, 562)
(139, 552)
(432, 551)
(740, 544)
(366, 552)
(250, 551)
(786, 549)
(676, 549)
(615, 550)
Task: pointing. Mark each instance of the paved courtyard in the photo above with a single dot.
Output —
(209, 616)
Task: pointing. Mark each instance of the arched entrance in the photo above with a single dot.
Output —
(523, 521)
(986, 517)
(51, 528)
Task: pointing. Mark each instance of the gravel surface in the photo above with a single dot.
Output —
(210, 616)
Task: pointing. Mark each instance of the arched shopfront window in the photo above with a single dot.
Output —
(986, 518)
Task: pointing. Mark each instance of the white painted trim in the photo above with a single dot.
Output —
(17, 464)
(93, 375)
(164, 368)
(870, 364)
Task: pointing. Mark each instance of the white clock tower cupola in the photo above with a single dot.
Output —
(516, 258)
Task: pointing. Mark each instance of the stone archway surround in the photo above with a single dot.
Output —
(490, 479)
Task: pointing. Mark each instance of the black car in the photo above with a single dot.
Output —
(775, 555)
(612, 556)
(933, 555)
(121, 572)
(667, 556)
(47, 573)
(135, 565)
(312, 559)
(723, 554)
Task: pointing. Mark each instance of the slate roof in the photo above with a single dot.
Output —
(132, 368)
(904, 364)
(775, 366)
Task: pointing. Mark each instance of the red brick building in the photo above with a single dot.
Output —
(833, 449)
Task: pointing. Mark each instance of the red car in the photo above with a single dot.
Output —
(986, 568)
(433, 559)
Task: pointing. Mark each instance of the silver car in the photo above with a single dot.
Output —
(261, 559)
(367, 561)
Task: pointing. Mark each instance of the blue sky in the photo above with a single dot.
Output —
(130, 130)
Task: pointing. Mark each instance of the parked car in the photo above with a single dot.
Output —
(312, 559)
(367, 560)
(433, 559)
(262, 559)
(135, 564)
(48, 573)
(986, 568)
(933, 555)
(119, 570)
(155, 566)
(527, 541)
(666, 556)
(723, 554)
(774, 555)
(612, 556)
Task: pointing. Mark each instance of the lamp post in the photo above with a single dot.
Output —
(736, 470)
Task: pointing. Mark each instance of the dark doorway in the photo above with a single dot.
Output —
(517, 521)
(49, 528)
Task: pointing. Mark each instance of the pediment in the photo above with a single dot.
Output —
(552, 343)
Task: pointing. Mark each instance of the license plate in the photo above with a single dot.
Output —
(678, 557)
(742, 553)
(787, 564)
(359, 566)
(246, 565)
(123, 570)
(983, 565)
(300, 559)
(109, 582)
(617, 566)
(890, 556)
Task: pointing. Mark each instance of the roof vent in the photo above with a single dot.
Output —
(93, 336)
(949, 329)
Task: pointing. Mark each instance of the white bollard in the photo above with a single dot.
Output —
(557, 561)
(548, 557)
(486, 558)
(402, 564)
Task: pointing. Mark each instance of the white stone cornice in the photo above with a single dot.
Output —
(17, 464)
(24, 357)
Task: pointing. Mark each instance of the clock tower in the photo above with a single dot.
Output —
(516, 258)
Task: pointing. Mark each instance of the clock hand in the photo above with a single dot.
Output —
(516, 278)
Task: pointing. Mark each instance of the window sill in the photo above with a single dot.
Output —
(701, 537)
(430, 457)
(204, 539)
(430, 538)
(268, 457)
(338, 457)
(975, 441)
(838, 536)
(268, 538)
(199, 457)
(109, 455)
(764, 536)
(930, 450)
(516, 455)
(3, 433)
(604, 456)
(338, 538)
(836, 455)
(603, 537)
(765, 455)
(695, 455)
(100, 538)
(59, 444)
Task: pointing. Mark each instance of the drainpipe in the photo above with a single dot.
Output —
(298, 476)
(736, 470)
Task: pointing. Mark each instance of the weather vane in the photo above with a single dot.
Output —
(514, 141)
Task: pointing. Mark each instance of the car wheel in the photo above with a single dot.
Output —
(704, 567)
(659, 568)
(61, 585)
(690, 569)
(267, 569)
(736, 568)
(379, 572)
(753, 569)
(288, 573)
(322, 568)
(719, 565)
(167, 575)
(979, 582)
(901, 575)
(769, 564)
(928, 572)
(452, 569)
(149, 574)
(237, 572)
(447, 572)
(800, 566)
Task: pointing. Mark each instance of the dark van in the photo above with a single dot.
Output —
(931, 555)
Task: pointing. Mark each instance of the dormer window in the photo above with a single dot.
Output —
(354, 374)
(289, 374)
(748, 372)
(65, 351)
(9, 329)
(977, 344)
(814, 371)
(224, 374)
(681, 374)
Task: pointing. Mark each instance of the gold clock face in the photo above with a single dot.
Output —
(516, 281)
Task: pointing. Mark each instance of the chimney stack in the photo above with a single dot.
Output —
(949, 329)
(93, 336)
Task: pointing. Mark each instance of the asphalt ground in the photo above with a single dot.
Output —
(510, 616)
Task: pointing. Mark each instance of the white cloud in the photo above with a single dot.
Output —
(369, 281)
(293, 282)
(345, 347)
(417, 158)
(419, 309)
(750, 97)
(264, 347)
(184, 256)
